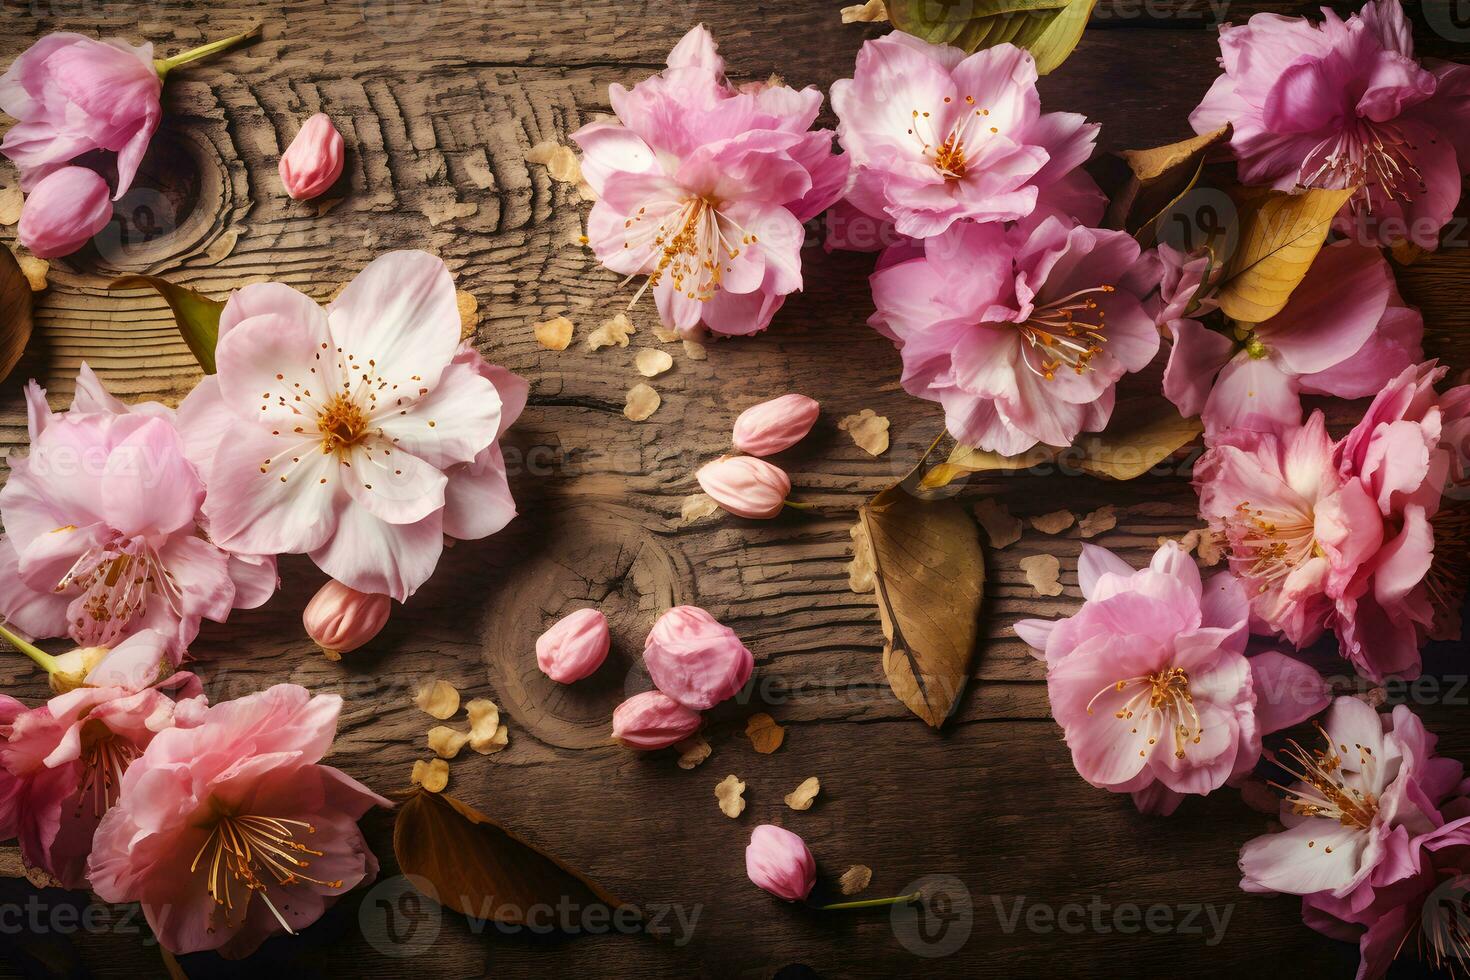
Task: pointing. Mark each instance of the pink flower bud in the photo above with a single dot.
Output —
(745, 486)
(694, 659)
(778, 861)
(774, 425)
(574, 647)
(66, 207)
(653, 720)
(313, 161)
(341, 619)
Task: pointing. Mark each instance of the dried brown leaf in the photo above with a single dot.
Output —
(652, 362)
(1054, 523)
(855, 879)
(692, 751)
(554, 334)
(869, 430)
(1105, 518)
(642, 402)
(1280, 234)
(804, 795)
(437, 698)
(730, 792)
(764, 733)
(612, 332)
(432, 775)
(1001, 529)
(15, 312)
(1042, 571)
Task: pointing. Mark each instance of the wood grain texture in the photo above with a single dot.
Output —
(439, 102)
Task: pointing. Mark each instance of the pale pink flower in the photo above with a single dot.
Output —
(340, 619)
(695, 659)
(745, 486)
(71, 95)
(774, 425)
(1150, 682)
(937, 136)
(61, 764)
(313, 161)
(653, 720)
(779, 862)
(1020, 334)
(703, 188)
(1344, 104)
(103, 531)
(230, 831)
(362, 433)
(65, 209)
(574, 647)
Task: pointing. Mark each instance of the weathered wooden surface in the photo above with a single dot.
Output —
(439, 103)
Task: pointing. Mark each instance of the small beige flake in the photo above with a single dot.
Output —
(35, 270)
(869, 430)
(642, 402)
(665, 335)
(1054, 523)
(692, 751)
(802, 797)
(694, 350)
(697, 506)
(1041, 571)
(613, 332)
(560, 161)
(469, 313)
(730, 792)
(1204, 543)
(10, 203)
(1001, 528)
(872, 12)
(860, 569)
(855, 879)
(438, 698)
(432, 775)
(554, 334)
(652, 362)
(446, 742)
(487, 732)
(1100, 520)
(764, 733)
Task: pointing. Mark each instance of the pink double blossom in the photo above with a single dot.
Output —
(1150, 682)
(703, 187)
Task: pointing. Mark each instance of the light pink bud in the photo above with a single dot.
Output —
(341, 619)
(695, 659)
(653, 720)
(64, 209)
(745, 486)
(574, 647)
(313, 161)
(778, 861)
(774, 425)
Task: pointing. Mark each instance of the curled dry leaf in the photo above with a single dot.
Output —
(554, 334)
(764, 733)
(445, 742)
(1054, 523)
(437, 698)
(869, 430)
(15, 312)
(730, 791)
(432, 775)
(1001, 528)
(487, 732)
(692, 751)
(652, 362)
(695, 351)
(35, 270)
(804, 795)
(642, 402)
(1105, 518)
(11, 200)
(1042, 571)
(612, 333)
(855, 879)
(860, 569)
(1157, 179)
(469, 313)
(872, 12)
(484, 870)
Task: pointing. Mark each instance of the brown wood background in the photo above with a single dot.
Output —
(439, 102)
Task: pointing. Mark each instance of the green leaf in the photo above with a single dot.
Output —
(975, 24)
(197, 315)
(1061, 36)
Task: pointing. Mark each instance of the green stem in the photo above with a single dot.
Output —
(166, 65)
(871, 903)
(43, 659)
(797, 506)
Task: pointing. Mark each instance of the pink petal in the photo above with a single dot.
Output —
(1288, 692)
(148, 487)
(401, 314)
(261, 298)
(453, 423)
(1094, 563)
(391, 484)
(290, 508)
(477, 499)
(371, 555)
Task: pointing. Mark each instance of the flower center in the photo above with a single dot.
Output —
(341, 423)
(1367, 155)
(1065, 334)
(947, 152)
(115, 585)
(104, 757)
(690, 244)
(1270, 544)
(1325, 789)
(244, 855)
(1162, 707)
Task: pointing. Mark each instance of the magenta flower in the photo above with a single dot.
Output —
(695, 659)
(937, 136)
(361, 434)
(1343, 104)
(61, 764)
(230, 830)
(703, 188)
(1150, 682)
(66, 208)
(103, 531)
(1020, 334)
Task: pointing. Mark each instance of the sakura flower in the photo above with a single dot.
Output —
(361, 434)
(779, 862)
(1354, 810)
(61, 764)
(1343, 104)
(1020, 334)
(103, 531)
(703, 188)
(230, 831)
(936, 136)
(1150, 682)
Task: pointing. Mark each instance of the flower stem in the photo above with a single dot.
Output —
(871, 903)
(166, 65)
(797, 506)
(43, 659)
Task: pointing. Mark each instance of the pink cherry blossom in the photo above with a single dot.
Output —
(574, 647)
(313, 161)
(653, 720)
(695, 659)
(340, 619)
(361, 433)
(230, 831)
(937, 136)
(1343, 103)
(703, 187)
(745, 486)
(779, 862)
(61, 764)
(104, 534)
(65, 209)
(1020, 334)
(1151, 685)
(774, 425)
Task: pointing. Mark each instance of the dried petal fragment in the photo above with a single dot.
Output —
(730, 792)
(1001, 528)
(642, 402)
(469, 313)
(869, 430)
(432, 775)
(554, 334)
(35, 271)
(665, 335)
(560, 161)
(694, 350)
(1041, 571)
(437, 698)
(803, 796)
(855, 879)
(1054, 523)
(652, 362)
(860, 569)
(872, 12)
(11, 200)
(1103, 519)
(764, 733)
(446, 742)
(697, 506)
(487, 733)
(692, 751)
(609, 333)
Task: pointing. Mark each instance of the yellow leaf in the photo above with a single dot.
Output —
(1279, 236)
